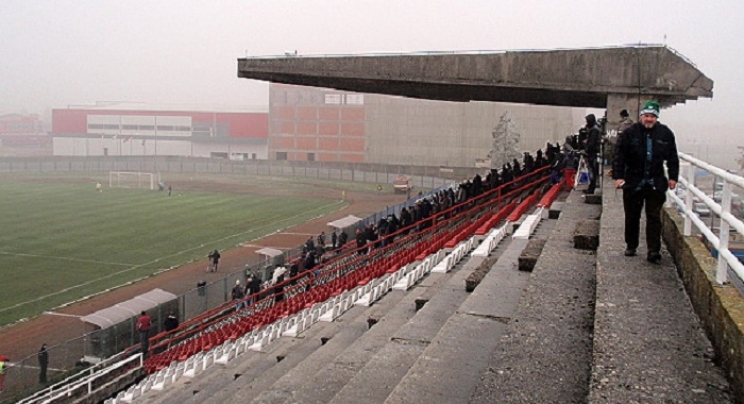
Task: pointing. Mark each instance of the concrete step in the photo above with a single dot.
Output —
(320, 386)
(382, 372)
(449, 368)
(544, 354)
(282, 386)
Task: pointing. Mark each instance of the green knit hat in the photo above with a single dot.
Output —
(651, 107)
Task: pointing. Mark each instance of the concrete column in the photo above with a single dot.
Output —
(617, 102)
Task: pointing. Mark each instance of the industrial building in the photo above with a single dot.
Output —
(132, 130)
(316, 124)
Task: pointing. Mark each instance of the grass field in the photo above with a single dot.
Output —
(60, 240)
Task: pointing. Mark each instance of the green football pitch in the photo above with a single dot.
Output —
(60, 240)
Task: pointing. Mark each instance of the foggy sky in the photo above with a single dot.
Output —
(57, 53)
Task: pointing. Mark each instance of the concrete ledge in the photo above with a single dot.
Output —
(720, 309)
(475, 278)
(586, 235)
(530, 254)
(593, 199)
(555, 210)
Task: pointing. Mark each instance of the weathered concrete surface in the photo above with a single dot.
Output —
(719, 308)
(476, 277)
(528, 258)
(649, 346)
(594, 199)
(572, 77)
(379, 376)
(586, 235)
(555, 210)
(449, 368)
(545, 354)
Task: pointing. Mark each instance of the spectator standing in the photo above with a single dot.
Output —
(214, 261)
(143, 326)
(593, 142)
(321, 239)
(625, 122)
(334, 239)
(237, 295)
(43, 357)
(253, 286)
(638, 168)
(171, 322)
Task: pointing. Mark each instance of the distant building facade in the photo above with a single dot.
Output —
(23, 136)
(315, 124)
(117, 131)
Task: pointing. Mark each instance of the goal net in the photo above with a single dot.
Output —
(131, 179)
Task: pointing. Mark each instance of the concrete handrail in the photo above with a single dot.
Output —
(726, 259)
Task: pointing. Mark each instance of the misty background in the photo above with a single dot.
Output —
(59, 53)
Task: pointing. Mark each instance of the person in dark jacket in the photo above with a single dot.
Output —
(593, 142)
(638, 168)
(43, 357)
(171, 322)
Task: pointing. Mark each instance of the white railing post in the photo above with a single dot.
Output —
(723, 237)
(689, 173)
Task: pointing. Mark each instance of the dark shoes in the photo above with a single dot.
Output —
(654, 257)
(630, 252)
(588, 191)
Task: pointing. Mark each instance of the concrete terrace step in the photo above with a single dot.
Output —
(383, 372)
(648, 343)
(474, 329)
(323, 385)
(281, 386)
(545, 353)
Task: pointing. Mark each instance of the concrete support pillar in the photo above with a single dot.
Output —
(617, 102)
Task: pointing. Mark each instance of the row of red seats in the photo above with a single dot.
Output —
(495, 219)
(550, 196)
(522, 208)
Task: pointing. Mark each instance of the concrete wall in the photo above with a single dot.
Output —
(720, 308)
(420, 132)
(340, 126)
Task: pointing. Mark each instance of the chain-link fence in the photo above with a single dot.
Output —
(419, 176)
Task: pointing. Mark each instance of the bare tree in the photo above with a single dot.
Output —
(506, 140)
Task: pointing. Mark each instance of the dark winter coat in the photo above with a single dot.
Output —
(630, 156)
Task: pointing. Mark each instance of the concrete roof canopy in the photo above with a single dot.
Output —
(565, 77)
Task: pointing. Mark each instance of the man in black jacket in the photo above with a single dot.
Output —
(593, 142)
(638, 168)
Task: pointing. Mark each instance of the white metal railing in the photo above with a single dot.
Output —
(728, 221)
(74, 385)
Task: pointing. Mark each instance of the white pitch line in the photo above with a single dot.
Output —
(132, 268)
(54, 313)
(53, 257)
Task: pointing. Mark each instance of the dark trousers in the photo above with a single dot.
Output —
(144, 342)
(633, 202)
(43, 373)
(593, 167)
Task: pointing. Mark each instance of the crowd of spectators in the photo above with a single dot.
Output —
(418, 215)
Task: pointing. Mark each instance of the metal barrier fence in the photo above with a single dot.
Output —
(726, 259)
(22, 377)
(419, 176)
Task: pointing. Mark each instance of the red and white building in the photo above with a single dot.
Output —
(131, 130)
